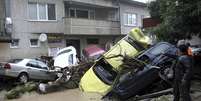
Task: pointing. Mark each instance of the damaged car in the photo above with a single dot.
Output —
(26, 69)
(100, 77)
(154, 75)
(65, 57)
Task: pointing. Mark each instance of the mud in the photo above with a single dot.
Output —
(67, 95)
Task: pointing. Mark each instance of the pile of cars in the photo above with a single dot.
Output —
(105, 75)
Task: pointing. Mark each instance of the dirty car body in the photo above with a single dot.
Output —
(100, 77)
(152, 77)
(29, 68)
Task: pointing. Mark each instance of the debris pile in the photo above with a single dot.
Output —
(21, 89)
(131, 64)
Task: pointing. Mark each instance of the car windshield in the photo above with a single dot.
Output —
(105, 72)
(65, 51)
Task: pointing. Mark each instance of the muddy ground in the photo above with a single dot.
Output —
(67, 95)
(77, 95)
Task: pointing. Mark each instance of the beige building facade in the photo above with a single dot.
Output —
(65, 23)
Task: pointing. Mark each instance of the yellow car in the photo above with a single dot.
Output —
(100, 77)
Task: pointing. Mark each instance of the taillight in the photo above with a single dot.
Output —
(7, 66)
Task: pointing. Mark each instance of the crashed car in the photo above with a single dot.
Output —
(92, 52)
(154, 76)
(65, 57)
(26, 69)
(100, 77)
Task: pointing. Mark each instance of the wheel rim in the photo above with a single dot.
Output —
(23, 78)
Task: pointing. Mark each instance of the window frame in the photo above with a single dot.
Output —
(15, 46)
(126, 17)
(75, 11)
(34, 46)
(93, 41)
(37, 12)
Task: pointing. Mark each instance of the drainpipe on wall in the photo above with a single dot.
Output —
(119, 7)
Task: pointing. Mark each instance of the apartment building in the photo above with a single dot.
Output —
(67, 22)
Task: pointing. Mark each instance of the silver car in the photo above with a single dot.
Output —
(26, 69)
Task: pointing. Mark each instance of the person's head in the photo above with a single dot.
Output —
(183, 49)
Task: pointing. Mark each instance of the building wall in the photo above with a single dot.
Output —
(24, 29)
(128, 8)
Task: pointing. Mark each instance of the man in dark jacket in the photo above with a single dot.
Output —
(182, 75)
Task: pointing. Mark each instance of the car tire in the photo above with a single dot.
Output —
(23, 78)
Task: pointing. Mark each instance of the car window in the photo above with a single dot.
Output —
(32, 63)
(159, 49)
(42, 65)
(70, 59)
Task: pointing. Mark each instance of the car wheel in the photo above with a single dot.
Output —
(23, 78)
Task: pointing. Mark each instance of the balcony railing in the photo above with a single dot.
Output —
(78, 26)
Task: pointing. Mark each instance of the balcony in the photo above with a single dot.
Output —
(95, 3)
(78, 26)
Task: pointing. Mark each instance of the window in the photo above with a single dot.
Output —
(51, 12)
(42, 65)
(72, 13)
(81, 13)
(70, 59)
(92, 41)
(32, 64)
(14, 43)
(41, 11)
(130, 19)
(33, 11)
(34, 43)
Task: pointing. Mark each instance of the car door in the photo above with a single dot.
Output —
(33, 69)
(44, 72)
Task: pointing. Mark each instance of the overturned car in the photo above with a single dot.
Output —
(154, 75)
(100, 77)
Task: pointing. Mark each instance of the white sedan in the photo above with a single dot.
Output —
(26, 69)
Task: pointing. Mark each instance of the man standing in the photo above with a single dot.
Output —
(183, 74)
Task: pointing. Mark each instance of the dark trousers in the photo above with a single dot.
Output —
(182, 90)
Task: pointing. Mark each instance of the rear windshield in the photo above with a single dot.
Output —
(15, 60)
